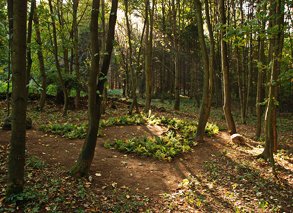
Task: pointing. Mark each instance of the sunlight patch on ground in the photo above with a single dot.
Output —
(157, 130)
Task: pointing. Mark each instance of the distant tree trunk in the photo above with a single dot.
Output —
(176, 58)
(16, 160)
(82, 166)
(10, 33)
(260, 77)
(148, 53)
(57, 63)
(75, 50)
(29, 41)
(42, 100)
(132, 71)
(277, 21)
(225, 69)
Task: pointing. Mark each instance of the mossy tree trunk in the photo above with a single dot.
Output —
(16, 160)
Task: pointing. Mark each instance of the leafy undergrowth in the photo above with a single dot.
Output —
(179, 138)
(49, 189)
(78, 131)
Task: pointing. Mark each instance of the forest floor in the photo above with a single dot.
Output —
(215, 176)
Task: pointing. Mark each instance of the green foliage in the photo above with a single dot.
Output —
(136, 119)
(178, 139)
(162, 148)
(35, 163)
(71, 131)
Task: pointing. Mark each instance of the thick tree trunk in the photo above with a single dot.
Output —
(82, 166)
(16, 160)
(225, 70)
(42, 100)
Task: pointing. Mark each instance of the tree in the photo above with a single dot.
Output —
(208, 69)
(36, 20)
(225, 70)
(277, 39)
(131, 67)
(16, 159)
(149, 15)
(57, 63)
(82, 166)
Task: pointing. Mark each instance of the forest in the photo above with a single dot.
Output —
(146, 106)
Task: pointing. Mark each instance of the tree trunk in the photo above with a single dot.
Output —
(16, 160)
(29, 41)
(57, 63)
(225, 70)
(10, 33)
(277, 8)
(148, 53)
(132, 71)
(204, 108)
(42, 100)
(260, 77)
(82, 166)
(76, 52)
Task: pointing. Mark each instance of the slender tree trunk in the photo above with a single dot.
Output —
(148, 53)
(29, 40)
(42, 100)
(176, 58)
(260, 77)
(204, 108)
(277, 21)
(16, 160)
(57, 63)
(82, 167)
(225, 70)
(10, 26)
(132, 71)
(76, 51)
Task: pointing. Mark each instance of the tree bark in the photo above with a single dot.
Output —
(132, 71)
(225, 70)
(57, 63)
(82, 166)
(16, 160)
(277, 21)
(42, 100)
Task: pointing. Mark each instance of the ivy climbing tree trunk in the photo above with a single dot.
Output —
(82, 166)
(225, 70)
(16, 160)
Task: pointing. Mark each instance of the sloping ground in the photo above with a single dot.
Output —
(215, 177)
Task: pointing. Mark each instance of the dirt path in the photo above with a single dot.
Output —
(224, 178)
(143, 174)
